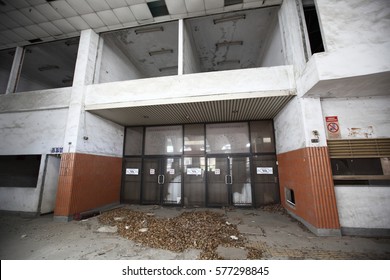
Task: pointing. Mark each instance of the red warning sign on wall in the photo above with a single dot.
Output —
(333, 127)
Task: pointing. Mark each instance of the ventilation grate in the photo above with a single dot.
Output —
(359, 148)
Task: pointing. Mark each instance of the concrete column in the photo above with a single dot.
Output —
(83, 76)
(15, 70)
(180, 63)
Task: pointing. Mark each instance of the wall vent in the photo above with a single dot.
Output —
(359, 148)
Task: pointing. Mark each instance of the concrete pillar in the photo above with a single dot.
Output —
(83, 75)
(15, 70)
(304, 166)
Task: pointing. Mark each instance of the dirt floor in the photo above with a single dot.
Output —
(152, 232)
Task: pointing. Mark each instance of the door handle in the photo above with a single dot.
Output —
(231, 179)
(226, 179)
(163, 179)
(159, 179)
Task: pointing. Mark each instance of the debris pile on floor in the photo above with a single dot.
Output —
(204, 230)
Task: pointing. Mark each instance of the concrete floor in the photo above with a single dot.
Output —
(275, 233)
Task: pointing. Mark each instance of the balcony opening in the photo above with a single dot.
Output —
(48, 65)
(236, 40)
(313, 27)
(139, 52)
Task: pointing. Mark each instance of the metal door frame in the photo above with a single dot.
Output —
(229, 169)
(161, 162)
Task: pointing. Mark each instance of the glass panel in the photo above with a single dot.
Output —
(241, 181)
(227, 138)
(194, 139)
(217, 189)
(164, 140)
(194, 181)
(6, 58)
(132, 182)
(265, 180)
(151, 188)
(133, 144)
(172, 181)
(262, 137)
(48, 65)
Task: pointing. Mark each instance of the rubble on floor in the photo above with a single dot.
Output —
(204, 230)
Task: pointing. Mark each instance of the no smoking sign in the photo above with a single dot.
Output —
(332, 127)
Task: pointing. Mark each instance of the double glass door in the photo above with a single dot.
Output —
(229, 181)
(162, 181)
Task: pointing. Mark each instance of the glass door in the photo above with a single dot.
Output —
(162, 181)
(228, 181)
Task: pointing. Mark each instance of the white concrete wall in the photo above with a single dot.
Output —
(254, 82)
(293, 45)
(289, 130)
(363, 206)
(115, 65)
(295, 124)
(363, 117)
(104, 137)
(23, 199)
(32, 132)
(191, 63)
(350, 23)
(273, 54)
(35, 100)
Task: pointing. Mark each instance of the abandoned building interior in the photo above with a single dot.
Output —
(198, 103)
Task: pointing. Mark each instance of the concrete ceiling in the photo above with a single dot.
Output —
(197, 112)
(24, 20)
(140, 48)
(252, 31)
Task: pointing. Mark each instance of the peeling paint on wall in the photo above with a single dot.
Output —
(365, 132)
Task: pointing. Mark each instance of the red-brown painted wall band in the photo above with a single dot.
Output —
(307, 171)
(87, 182)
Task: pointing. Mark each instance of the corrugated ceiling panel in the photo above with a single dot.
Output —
(198, 112)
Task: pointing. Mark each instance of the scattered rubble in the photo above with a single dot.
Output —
(204, 230)
(108, 229)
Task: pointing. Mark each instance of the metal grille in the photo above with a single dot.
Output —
(359, 148)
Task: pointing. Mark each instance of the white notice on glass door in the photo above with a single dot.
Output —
(131, 171)
(264, 170)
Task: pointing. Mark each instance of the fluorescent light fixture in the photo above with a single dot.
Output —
(168, 68)
(150, 29)
(231, 18)
(162, 51)
(48, 67)
(234, 61)
(229, 43)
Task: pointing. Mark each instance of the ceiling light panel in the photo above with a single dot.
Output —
(48, 11)
(11, 36)
(141, 12)
(195, 6)
(98, 5)
(64, 25)
(176, 7)
(108, 17)
(19, 18)
(78, 23)
(229, 18)
(50, 28)
(8, 22)
(149, 29)
(116, 3)
(124, 14)
(63, 8)
(37, 31)
(19, 4)
(34, 15)
(24, 33)
(93, 20)
(81, 7)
